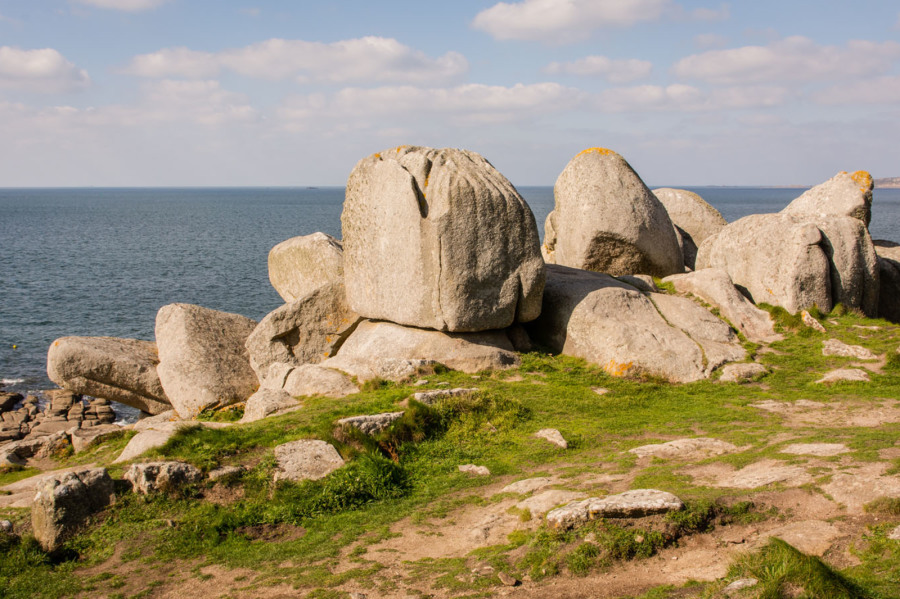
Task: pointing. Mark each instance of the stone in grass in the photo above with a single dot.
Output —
(810, 321)
(834, 347)
(854, 375)
(307, 459)
(153, 477)
(64, 502)
(739, 373)
(430, 397)
(740, 584)
(474, 470)
(630, 504)
(895, 534)
(224, 472)
(553, 436)
(700, 447)
(371, 424)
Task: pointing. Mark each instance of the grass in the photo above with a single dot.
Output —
(304, 535)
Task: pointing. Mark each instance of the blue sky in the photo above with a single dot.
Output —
(221, 92)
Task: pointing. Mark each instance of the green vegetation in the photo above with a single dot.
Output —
(319, 535)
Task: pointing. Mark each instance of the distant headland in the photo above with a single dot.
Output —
(888, 183)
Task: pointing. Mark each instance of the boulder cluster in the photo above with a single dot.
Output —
(441, 263)
(66, 410)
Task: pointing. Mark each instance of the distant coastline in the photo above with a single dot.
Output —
(888, 183)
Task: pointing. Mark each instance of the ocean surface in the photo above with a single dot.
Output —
(102, 261)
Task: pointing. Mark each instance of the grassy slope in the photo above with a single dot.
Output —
(314, 527)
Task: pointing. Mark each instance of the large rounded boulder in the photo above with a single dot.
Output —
(606, 220)
(301, 265)
(439, 239)
(694, 217)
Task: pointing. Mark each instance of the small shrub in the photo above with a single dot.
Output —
(884, 505)
(580, 561)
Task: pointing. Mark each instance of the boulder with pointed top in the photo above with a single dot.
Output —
(845, 194)
(606, 220)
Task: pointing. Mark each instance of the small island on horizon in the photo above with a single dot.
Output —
(888, 183)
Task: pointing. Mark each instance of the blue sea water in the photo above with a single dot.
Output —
(103, 261)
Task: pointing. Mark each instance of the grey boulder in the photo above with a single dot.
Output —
(122, 370)
(305, 331)
(714, 286)
(202, 359)
(844, 194)
(64, 503)
(377, 349)
(607, 322)
(268, 402)
(606, 220)
(166, 477)
(694, 217)
(300, 265)
(439, 239)
(630, 504)
(307, 459)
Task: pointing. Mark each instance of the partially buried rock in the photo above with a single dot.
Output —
(301, 265)
(268, 402)
(371, 424)
(166, 477)
(202, 359)
(305, 331)
(844, 194)
(474, 470)
(84, 438)
(306, 460)
(593, 316)
(810, 321)
(432, 397)
(64, 503)
(852, 375)
(836, 347)
(553, 436)
(446, 229)
(122, 370)
(695, 218)
(373, 343)
(630, 504)
(606, 220)
(739, 373)
(714, 286)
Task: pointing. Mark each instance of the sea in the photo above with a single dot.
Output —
(102, 261)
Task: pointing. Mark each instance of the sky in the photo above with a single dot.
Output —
(295, 92)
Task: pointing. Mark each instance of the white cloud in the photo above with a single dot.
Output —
(881, 90)
(616, 71)
(465, 105)
(363, 59)
(687, 98)
(564, 20)
(791, 59)
(710, 40)
(124, 5)
(42, 71)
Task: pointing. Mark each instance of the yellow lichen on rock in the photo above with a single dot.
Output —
(864, 179)
(601, 151)
(614, 368)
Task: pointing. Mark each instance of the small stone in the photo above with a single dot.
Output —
(739, 584)
(738, 373)
(224, 471)
(845, 374)
(430, 397)
(420, 383)
(600, 390)
(895, 534)
(358, 596)
(507, 580)
(811, 322)
(834, 347)
(6, 526)
(474, 470)
(553, 436)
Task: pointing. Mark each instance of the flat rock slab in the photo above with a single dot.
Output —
(630, 504)
(83, 438)
(527, 485)
(858, 486)
(430, 397)
(851, 375)
(543, 502)
(307, 459)
(816, 449)
(835, 347)
(371, 424)
(685, 448)
(764, 473)
(804, 412)
(553, 436)
(812, 537)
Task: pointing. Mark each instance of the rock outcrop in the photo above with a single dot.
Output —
(630, 504)
(695, 219)
(392, 351)
(202, 359)
(714, 286)
(606, 220)
(449, 231)
(64, 503)
(305, 331)
(889, 279)
(122, 370)
(300, 265)
(844, 194)
(165, 477)
(598, 318)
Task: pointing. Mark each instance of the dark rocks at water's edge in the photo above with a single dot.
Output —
(441, 264)
(65, 411)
